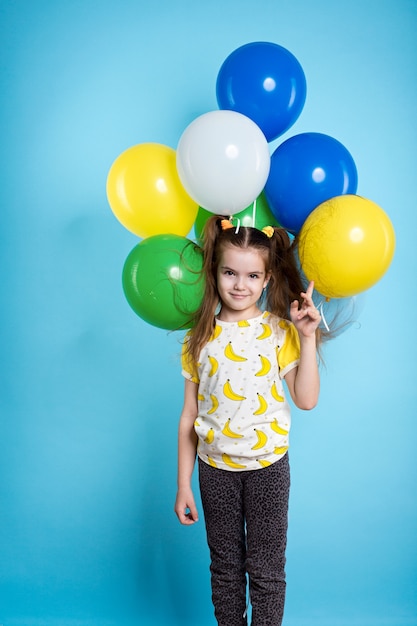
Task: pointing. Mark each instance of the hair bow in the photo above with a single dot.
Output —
(268, 230)
(226, 224)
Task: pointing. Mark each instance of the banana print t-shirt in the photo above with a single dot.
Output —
(244, 418)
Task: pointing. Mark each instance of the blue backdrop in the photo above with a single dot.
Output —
(91, 394)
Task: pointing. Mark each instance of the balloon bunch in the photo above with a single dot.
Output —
(222, 165)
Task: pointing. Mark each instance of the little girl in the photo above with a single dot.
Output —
(236, 417)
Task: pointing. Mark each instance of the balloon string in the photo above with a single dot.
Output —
(254, 213)
(321, 311)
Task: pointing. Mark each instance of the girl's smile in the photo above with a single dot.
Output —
(241, 278)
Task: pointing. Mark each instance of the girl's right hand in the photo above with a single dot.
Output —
(185, 507)
(306, 318)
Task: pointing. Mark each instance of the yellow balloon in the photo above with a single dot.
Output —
(145, 193)
(346, 245)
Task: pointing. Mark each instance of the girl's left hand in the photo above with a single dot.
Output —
(305, 318)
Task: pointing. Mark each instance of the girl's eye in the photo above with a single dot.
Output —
(254, 276)
(229, 273)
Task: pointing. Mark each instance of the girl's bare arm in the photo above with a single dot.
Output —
(304, 381)
(185, 507)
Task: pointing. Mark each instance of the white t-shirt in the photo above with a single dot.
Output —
(243, 416)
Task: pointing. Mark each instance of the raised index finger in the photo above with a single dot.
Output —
(309, 291)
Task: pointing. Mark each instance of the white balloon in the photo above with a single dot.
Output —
(223, 161)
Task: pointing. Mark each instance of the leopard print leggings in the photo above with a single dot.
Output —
(246, 517)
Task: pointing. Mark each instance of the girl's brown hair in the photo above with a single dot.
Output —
(285, 284)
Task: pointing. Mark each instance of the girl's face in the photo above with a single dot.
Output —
(241, 277)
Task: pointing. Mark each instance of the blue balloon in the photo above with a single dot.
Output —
(265, 82)
(306, 170)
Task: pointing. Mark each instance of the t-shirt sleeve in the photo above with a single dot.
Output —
(289, 352)
(189, 368)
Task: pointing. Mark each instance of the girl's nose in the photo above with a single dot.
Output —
(239, 283)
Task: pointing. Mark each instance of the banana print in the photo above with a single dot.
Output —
(214, 405)
(228, 461)
(264, 462)
(245, 425)
(277, 428)
(263, 405)
(280, 449)
(214, 365)
(265, 366)
(230, 354)
(275, 394)
(210, 436)
(267, 331)
(230, 433)
(229, 393)
(262, 440)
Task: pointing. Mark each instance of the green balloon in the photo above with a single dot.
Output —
(162, 280)
(261, 212)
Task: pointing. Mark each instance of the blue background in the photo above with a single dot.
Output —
(90, 394)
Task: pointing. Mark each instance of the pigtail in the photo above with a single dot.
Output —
(286, 281)
(285, 284)
(203, 322)
(211, 231)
